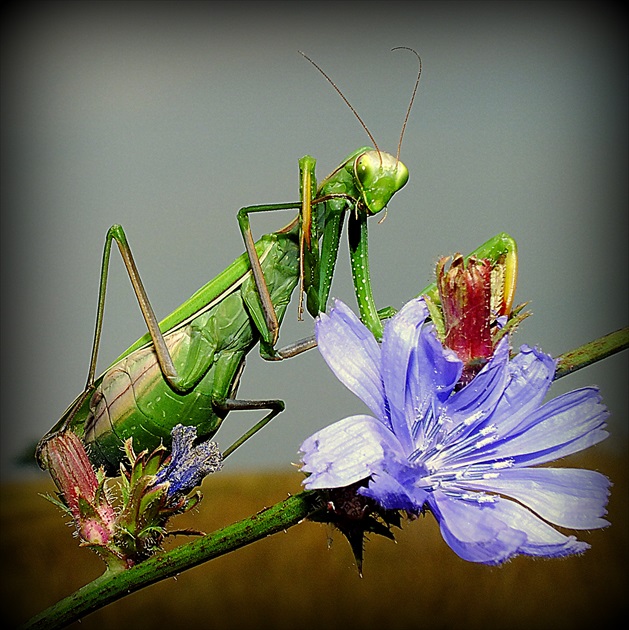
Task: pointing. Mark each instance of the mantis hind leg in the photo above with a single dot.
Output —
(228, 374)
(117, 234)
(275, 407)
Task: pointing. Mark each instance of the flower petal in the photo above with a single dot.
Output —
(346, 452)
(541, 538)
(353, 354)
(442, 365)
(417, 371)
(473, 530)
(492, 532)
(567, 424)
(190, 462)
(531, 374)
(400, 339)
(568, 497)
(470, 407)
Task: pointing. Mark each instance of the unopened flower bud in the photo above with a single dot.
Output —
(82, 488)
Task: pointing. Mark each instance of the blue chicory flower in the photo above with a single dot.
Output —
(190, 463)
(466, 454)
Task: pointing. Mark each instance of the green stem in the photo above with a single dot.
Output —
(114, 585)
(591, 352)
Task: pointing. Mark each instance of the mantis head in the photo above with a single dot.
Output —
(378, 176)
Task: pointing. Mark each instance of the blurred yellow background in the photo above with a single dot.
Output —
(293, 580)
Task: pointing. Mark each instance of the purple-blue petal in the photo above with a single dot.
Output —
(567, 424)
(441, 365)
(394, 485)
(492, 532)
(190, 463)
(346, 452)
(400, 339)
(473, 530)
(468, 409)
(417, 372)
(433, 373)
(353, 354)
(541, 538)
(530, 375)
(567, 497)
(390, 493)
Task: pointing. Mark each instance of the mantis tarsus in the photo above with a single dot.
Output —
(187, 368)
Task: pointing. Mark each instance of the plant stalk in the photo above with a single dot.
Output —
(113, 585)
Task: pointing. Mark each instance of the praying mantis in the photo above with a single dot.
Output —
(188, 367)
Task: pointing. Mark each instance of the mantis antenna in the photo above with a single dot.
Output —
(360, 120)
(410, 105)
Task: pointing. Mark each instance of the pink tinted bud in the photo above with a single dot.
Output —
(465, 293)
(66, 459)
(70, 468)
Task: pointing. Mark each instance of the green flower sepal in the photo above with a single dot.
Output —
(146, 505)
(151, 489)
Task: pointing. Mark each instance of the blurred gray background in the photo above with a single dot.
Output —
(168, 117)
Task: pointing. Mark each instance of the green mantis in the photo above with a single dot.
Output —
(187, 368)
